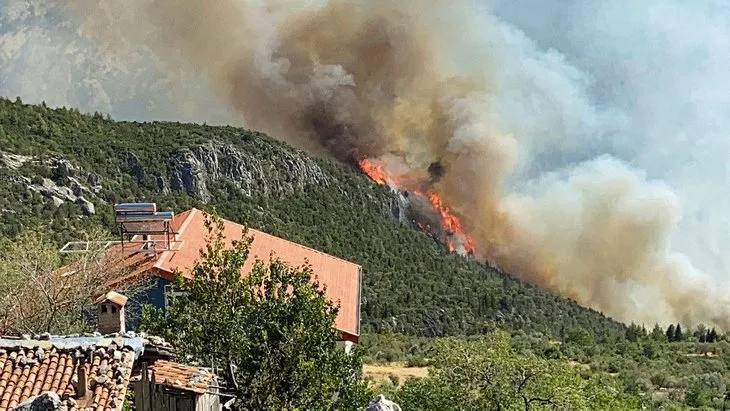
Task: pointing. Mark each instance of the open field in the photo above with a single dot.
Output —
(382, 372)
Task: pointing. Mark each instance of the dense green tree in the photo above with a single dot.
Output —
(270, 332)
(657, 334)
(487, 374)
(712, 335)
(671, 333)
(580, 336)
(701, 333)
(698, 395)
(635, 332)
(678, 335)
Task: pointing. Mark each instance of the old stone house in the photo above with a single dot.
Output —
(99, 372)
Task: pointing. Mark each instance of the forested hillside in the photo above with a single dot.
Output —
(411, 283)
(62, 171)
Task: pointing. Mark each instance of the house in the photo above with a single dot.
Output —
(154, 244)
(95, 372)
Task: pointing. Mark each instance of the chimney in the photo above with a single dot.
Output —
(111, 313)
(82, 384)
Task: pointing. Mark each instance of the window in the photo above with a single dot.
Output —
(114, 309)
(103, 308)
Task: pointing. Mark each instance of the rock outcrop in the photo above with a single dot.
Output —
(273, 175)
(13, 161)
(47, 401)
(261, 169)
(86, 206)
(59, 194)
(270, 173)
(66, 188)
(135, 166)
(382, 404)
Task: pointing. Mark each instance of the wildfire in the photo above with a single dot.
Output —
(376, 172)
(450, 222)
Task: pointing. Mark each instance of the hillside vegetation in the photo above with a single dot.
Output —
(61, 171)
(411, 284)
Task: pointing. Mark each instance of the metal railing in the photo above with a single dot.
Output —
(127, 246)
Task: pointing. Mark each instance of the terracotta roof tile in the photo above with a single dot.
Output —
(27, 372)
(114, 297)
(184, 377)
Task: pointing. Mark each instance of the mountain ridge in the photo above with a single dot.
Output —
(412, 284)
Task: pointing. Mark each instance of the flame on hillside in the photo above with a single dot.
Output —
(450, 223)
(376, 172)
(385, 78)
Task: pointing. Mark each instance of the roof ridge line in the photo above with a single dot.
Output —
(193, 210)
(298, 245)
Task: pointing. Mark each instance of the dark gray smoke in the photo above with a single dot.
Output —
(585, 146)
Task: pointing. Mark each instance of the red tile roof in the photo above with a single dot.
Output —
(341, 277)
(113, 297)
(185, 377)
(27, 372)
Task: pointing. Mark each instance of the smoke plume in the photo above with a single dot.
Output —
(579, 148)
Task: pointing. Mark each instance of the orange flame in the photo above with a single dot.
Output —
(376, 172)
(450, 222)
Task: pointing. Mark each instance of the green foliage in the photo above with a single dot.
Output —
(580, 336)
(657, 334)
(413, 289)
(411, 284)
(271, 333)
(488, 374)
(671, 333)
(660, 373)
(634, 332)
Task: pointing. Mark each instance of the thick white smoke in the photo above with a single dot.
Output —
(585, 145)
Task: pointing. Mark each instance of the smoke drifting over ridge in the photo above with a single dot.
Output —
(530, 141)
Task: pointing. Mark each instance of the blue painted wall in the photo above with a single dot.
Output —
(153, 294)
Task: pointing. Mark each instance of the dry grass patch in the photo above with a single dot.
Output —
(383, 372)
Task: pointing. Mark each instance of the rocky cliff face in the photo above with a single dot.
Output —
(65, 188)
(258, 170)
(275, 175)
(272, 174)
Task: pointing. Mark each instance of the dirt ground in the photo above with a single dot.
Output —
(382, 372)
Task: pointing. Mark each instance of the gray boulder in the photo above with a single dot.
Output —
(47, 401)
(135, 166)
(382, 404)
(86, 206)
(57, 201)
(93, 179)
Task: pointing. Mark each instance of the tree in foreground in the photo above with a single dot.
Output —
(269, 333)
(40, 292)
(487, 374)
